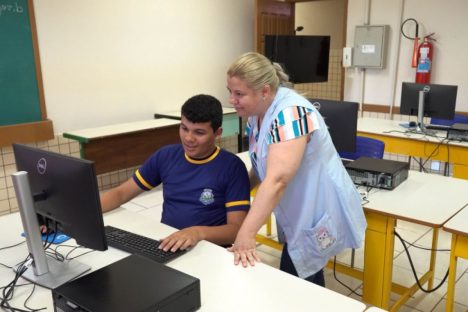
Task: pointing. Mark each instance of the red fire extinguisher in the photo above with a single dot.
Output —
(425, 53)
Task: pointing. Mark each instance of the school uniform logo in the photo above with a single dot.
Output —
(207, 197)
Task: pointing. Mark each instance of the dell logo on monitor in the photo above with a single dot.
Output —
(316, 105)
(41, 166)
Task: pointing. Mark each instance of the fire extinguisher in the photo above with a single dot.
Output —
(425, 54)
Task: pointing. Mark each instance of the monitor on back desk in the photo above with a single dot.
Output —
(428, 100)
(341, 120)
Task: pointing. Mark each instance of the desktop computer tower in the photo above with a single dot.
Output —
(374, 172)
(132, 284)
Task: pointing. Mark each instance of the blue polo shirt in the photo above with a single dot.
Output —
(196, 192)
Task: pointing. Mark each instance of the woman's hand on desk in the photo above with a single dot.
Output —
(244, 249)
(182, 239)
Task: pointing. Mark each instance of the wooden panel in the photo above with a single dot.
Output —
(128, 150)
(272, 18)
(26, 132)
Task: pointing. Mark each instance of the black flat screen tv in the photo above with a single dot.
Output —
(304, 58)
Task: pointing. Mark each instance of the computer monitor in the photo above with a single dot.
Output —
(304, 58)
(341, 120)
(428, 100)
(62, 191)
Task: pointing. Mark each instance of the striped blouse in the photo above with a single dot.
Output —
(291, 123)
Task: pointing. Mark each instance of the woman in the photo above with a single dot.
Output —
(299, 173)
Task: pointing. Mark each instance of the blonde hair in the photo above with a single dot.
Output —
(257, 71)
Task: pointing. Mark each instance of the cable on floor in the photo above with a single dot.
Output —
(336, 278)
(414, 270)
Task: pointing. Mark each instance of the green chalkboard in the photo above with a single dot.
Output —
(20, 100)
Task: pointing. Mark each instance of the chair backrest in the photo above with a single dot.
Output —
(460, 119)
(365, 147)
(448, 122)
(442, 122)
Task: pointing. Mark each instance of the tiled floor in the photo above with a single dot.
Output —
(402, 274)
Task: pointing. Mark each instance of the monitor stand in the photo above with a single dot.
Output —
(42, 271)
(421, 128)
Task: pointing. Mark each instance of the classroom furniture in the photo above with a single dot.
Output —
(458, 118)
(449, 122)
(458, 227)
(367, 147)
(23, 117)
(375, 309)
(232, 123)
(417, 200)
(224, 286)
(125, 145)
(417, 145)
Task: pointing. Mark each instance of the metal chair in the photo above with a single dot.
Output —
(367, 147)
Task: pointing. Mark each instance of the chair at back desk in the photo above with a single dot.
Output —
(449, 122)
(367, 147)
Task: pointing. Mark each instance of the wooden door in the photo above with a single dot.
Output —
(272, 18)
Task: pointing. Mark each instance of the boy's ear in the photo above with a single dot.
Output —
(219, 132)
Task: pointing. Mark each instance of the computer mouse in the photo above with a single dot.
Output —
(412, 124)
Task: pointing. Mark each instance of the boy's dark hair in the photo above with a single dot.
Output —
(203, 108)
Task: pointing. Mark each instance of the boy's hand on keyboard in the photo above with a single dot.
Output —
(182, 239)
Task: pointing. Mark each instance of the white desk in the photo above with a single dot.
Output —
(458, 226)
(224, 286)
(417, 145)
(418, 200)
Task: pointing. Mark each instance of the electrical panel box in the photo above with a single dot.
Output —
(370, 46)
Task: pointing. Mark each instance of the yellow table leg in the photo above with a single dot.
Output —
(459, 249)
(268, 226)
(435, 240)
(378, 259)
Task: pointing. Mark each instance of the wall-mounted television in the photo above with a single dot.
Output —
(304, 58)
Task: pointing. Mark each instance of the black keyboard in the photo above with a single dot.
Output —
(437, 127)
(346, 161)
(137, 244)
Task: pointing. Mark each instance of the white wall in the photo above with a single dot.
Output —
(112, 61)
(322, 18)
(448, 19)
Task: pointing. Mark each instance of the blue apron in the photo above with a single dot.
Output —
(320, 211)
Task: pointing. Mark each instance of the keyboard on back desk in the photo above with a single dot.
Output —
(438, 127)
(137, 244)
